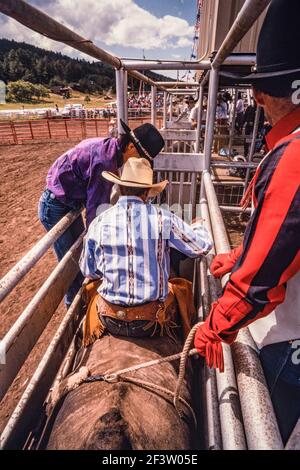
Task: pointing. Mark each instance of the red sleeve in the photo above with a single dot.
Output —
(271, 246)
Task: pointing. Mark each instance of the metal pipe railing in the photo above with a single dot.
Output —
(171, 109)
(259, 419)
(121, 104)
(219, 164)
(38, 21)
(182, 91)
(246, 18)
(199, 118)
(233, 435)
(233, 120)
(166, 65)
(245, 59)
(211, 115)
(178, 84)
(213, 438)
(14, 345)
(23, 418)
(14, 276)
(253, 144)
(125, 95)
(165, 110)
(153, 105)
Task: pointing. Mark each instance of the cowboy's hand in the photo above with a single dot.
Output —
(224, 262)
(209, 345)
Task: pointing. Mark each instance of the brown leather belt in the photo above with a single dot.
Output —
(147, 311)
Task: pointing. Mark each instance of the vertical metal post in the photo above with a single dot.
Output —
(211, 115)
(171, 109)
(253, 144)
(165, 110)
(199, 118)
(120, 99)
(249, 96)
(153, 105)
(232, 127)
(125, 79)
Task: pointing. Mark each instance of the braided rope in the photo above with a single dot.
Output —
(186, 352)
(114, 376)
(75, 379)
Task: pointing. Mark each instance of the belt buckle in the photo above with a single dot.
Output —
(121, 315)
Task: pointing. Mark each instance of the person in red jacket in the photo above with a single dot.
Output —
(263, 291)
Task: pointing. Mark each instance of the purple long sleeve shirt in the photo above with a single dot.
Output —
(75, 177)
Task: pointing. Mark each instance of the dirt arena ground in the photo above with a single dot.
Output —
(22, 179)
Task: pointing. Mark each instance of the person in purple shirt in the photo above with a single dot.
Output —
(75, 181)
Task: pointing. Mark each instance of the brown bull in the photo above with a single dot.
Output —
(122, 415)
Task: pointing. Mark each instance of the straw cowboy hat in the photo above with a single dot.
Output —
(278, 43)
(137, 173)
(146, 139)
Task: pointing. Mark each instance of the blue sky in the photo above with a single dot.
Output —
(162, 28)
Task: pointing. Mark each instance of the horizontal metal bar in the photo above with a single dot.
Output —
(21, 338)
(241, 59)
(12, 278)
(228, 183)
(181, 135)
(178, 125)
(179, 162)
(178, 84)
(235, 209)
(166, 65)
(182, 91)
(234, 165)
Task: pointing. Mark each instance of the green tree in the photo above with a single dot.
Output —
(21, 91)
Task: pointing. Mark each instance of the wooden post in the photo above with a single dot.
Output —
(13, 131)
(31, 131)
(49, 130)
(66, 127)
(96, 124)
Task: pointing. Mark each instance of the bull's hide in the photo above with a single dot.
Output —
(122, 415)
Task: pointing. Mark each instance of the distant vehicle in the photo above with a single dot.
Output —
(72, 110)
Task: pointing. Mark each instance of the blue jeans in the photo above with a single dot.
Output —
(133, 329)
(279, 362)
(50, 212)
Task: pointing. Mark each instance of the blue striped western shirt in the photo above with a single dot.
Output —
(128, 247)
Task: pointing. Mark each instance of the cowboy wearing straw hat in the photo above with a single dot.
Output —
(263, 291)
(127, 246)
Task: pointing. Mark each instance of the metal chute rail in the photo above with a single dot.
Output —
(237, 408)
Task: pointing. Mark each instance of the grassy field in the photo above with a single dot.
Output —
(97, 101)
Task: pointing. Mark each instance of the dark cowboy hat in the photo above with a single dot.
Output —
(146, 139)
(189, 98)
(278, 43)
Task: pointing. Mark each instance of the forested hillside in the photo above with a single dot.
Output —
(21, 61)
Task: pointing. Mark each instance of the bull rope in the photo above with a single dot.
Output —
(74, 380)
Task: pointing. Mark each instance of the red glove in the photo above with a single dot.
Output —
(208, 344)
(224, 262)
